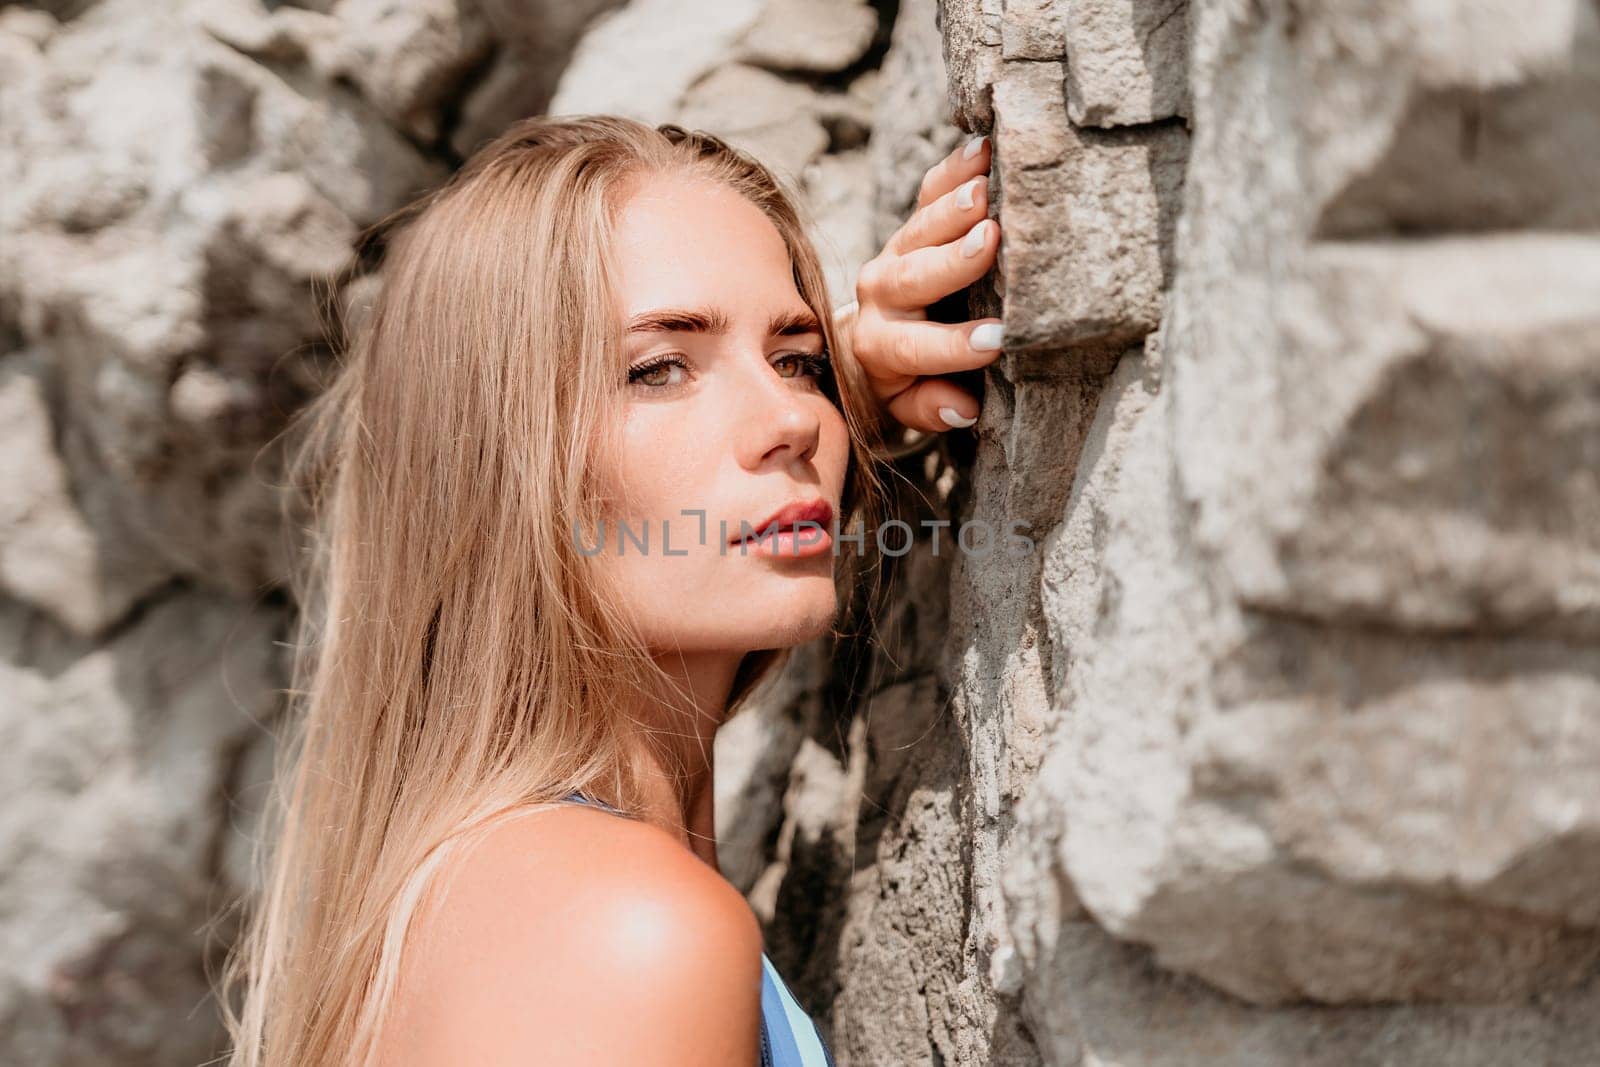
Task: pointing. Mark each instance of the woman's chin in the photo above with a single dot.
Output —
(796, 619)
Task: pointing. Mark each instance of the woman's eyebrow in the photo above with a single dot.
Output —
(714, 321)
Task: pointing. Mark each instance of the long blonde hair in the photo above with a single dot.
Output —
(457, 660)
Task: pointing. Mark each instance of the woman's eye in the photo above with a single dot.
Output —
(656, 373)
(812, 364)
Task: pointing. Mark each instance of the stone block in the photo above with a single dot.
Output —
(972, 58)
(1414, 117)
(642, 59)
(50, 556)
(1294, 811)
(1034, 29)
(411, 60)
(819, 36)
(1127, 60)
(770, 116)
(1422, 449)
(1088, 216)
(164, 263)
(116, 760)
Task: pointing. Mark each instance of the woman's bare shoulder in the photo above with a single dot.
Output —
(573, 935)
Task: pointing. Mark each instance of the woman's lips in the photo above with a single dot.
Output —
(799, 543)
(781, 534)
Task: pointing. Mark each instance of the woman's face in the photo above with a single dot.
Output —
(723, 422)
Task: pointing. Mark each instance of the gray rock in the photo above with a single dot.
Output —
(912, 124)
(972, 57)
(1127, 60)
(165, 263)
(534, 42)
(50, 555)
(1320, 606)
(640, 60)
(1429, 458)
(839, 191)
(1418, 119)
(1034, 29)
(411, 59)
(1088, 218)
(771, 117)
(121, 751)
(820, 36)
(755, 750)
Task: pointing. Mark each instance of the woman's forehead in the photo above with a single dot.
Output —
(686, 242)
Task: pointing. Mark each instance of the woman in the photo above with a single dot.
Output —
(503, 757)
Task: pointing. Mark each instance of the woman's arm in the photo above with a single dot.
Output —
(947, 243)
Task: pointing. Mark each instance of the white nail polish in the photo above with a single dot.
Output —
(972, 243)
(988, 337)
(974, 146)
(953, 418)
(966, 195)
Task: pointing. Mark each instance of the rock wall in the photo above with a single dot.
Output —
(1318, 783)
(1282, 749)
(1277, 748)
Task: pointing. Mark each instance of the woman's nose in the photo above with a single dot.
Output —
(780, 421)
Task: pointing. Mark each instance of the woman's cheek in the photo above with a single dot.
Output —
(656, 456)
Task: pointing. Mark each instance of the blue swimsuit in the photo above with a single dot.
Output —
(789, 1037)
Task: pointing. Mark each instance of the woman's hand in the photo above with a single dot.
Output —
(946, 244)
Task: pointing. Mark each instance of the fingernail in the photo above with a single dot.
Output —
(988, 337)
(953, 419)
(974, 146)
(972, 243)
(966, 194)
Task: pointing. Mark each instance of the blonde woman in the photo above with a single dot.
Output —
(555, 486)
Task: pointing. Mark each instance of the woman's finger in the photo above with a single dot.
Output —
(947, 218)
(915, 279)
(905, 348)
(935, 405)
(965, 162)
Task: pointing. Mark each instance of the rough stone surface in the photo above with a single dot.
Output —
(1088, 216)
(913, 125)
(1320, 606)
(1127, 60)
(773, 118)
(51, 557)
(171, 208)
(820, 36)
(1275, 744)
(972, 35)
(1443, 400)
(640, 59)
(120, 750)
(533, 44)
(1480, 118)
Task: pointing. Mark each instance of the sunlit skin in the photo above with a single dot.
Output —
(906, 357)
(554, 908)
(742, 427)
(738, 427)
